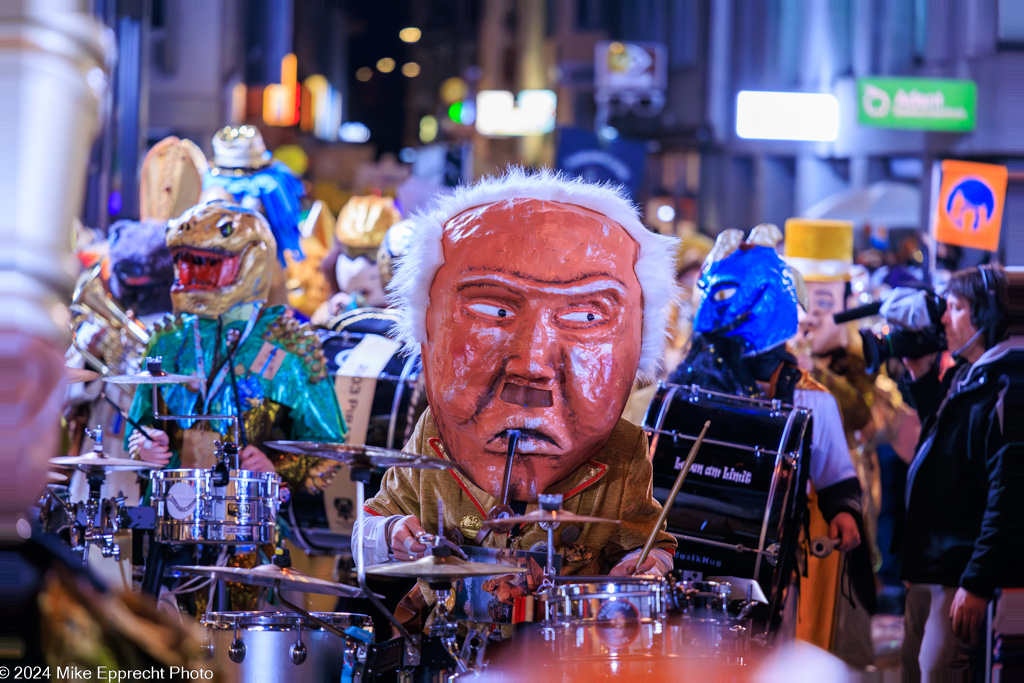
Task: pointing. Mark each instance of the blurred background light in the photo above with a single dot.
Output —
(364, 74)
(410, 34)
(609, 132)
(385, 65)
(428, 129)
(665, 213)
(787, 116)
(353, 131)
(453, 89)
(407, 155)
(411, 69)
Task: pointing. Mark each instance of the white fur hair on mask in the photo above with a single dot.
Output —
(409, 290)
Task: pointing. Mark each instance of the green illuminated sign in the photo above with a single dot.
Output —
(917, 103)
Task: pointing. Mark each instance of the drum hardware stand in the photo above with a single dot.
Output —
(503, 511)
(153, 366)
(671, 497)
(411, 652)
(551, 502)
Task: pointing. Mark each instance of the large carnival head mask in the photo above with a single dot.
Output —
(748, 292)
(822, 251)
(222, 258)
(141, 270)
(536, 302)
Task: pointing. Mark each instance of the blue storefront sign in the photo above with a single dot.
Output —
(583, 153)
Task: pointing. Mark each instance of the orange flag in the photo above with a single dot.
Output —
(968, 209)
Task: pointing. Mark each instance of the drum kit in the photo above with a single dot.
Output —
(625, 621)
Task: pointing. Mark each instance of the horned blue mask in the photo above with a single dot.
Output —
(750, 294)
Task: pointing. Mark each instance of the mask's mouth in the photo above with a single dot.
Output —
(204, 269)
(528, 397)
(525, 434)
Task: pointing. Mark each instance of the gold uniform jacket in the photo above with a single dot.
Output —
(614, 484)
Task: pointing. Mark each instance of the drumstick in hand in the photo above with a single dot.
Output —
(672, 496)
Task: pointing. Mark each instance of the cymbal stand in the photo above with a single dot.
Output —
(101, 535)
(153, 365)
(411, 655)
(550, 502)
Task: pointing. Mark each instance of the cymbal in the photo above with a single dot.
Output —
(101, 463)
(145, 377)
(540, 516)
(435, 568)
(362, 456)
(75, 375)
(270, 576)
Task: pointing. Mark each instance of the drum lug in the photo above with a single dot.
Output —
(298, 653)
(236, 652)
(771, 553)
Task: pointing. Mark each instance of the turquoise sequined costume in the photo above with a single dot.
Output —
(276, 379)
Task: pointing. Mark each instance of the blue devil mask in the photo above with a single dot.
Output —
(749, 294)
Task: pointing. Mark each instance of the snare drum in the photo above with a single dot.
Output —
(190, 508)
(281, 646)
(604, 598)
(701, 599)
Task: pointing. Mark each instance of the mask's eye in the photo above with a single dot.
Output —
(724, 294)
(226, 225)
(491, 311)
(581, 318)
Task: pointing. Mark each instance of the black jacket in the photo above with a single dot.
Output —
(965, 488)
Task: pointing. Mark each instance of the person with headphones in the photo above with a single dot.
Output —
(958, 544)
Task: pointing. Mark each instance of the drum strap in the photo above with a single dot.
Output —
(783, 383)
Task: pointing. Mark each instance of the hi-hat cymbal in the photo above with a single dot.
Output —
(362, 456)
(440, 568)
(271, 576)
(101, 463)
(544, 516)
(146, 377)
(75, 375)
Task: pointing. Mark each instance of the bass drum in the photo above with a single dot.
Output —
(740, 509)
(384, 417)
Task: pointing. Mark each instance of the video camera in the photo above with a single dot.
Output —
(914, 318)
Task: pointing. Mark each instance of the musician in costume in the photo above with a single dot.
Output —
(748, 307)
(258, 362)
(536, 302)
(822, 251)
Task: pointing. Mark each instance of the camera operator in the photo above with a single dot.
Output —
(957, 546)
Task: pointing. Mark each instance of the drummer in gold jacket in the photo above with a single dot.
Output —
(536, 302)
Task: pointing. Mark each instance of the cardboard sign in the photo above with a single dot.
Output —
(354, 385)
(968, 210)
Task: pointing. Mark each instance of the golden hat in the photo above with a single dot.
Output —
(363, 221)
(693, 249)
(171, 179)
(822, 250)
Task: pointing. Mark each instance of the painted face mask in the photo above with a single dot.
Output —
(222, 257)
(748, 292)
(534, 324)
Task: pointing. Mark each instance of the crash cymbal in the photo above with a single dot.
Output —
(101, 463)
(270, 576)
(538, 516)
(75, 375)
(362, 456)
(440, 568)
(146, 377)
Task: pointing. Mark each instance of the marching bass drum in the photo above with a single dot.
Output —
(739, 511)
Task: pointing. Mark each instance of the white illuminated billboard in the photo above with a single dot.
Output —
(787, 116)
(499, 112)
